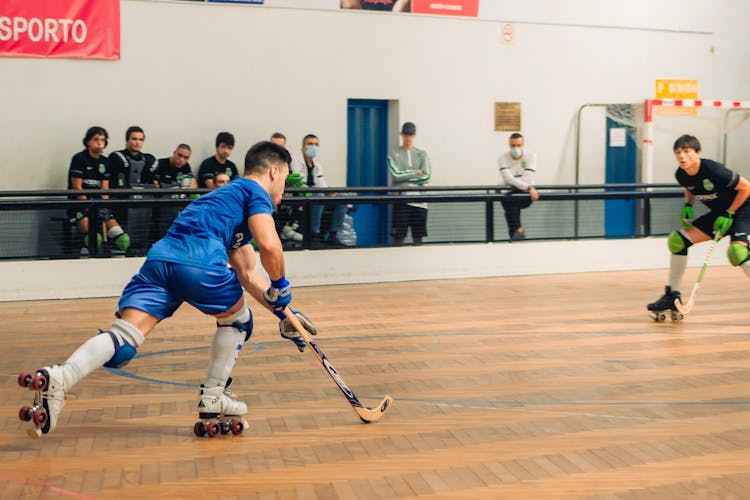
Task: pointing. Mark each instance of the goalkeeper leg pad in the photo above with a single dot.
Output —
(678, 243)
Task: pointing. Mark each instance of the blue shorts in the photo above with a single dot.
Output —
(161, 287)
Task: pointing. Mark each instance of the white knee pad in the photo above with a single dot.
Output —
(242, 315)
(241, 320)
(127, 339)
(127, 333)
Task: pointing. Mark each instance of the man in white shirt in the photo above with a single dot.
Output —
(312, 174)
(517, 167)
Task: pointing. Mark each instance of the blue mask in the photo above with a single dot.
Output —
(516, 153)
(311, 151)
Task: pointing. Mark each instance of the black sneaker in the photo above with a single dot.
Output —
(518, 236)
(333, 242)
(316, 241)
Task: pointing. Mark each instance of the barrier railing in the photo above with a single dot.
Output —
(37, 224)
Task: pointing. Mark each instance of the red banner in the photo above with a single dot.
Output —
(84, 29)
(466, 8)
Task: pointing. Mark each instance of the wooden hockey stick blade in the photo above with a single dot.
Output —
(684, 309)
(366, 415)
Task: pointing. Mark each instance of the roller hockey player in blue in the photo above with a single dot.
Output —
(725, 193)
(190, 264)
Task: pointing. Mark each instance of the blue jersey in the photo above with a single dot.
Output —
(213, 225)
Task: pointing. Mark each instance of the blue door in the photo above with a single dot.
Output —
(620, 215)
(367, 149)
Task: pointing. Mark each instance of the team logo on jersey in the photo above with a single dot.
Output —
(708, 185)
(706, 197)
(102, 168)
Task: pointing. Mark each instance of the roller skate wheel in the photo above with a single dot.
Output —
(39, 417)
(39, 383)
(199, 429)
(24, 379)
(226, 426)
(658, 316)
(677, 316)
(25, 413)
(238, 427)
(213, 429)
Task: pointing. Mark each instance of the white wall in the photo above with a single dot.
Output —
(189, 70)
(31, 280)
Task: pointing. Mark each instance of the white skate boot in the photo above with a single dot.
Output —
(220, 412)
(49, 399)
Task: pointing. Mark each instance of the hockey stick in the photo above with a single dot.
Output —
(684, 309)
(365, 414)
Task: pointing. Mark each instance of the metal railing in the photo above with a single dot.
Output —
(37, 225)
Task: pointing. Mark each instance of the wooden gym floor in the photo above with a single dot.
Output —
(519, 387)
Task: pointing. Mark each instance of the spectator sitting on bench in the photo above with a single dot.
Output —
(89, 169)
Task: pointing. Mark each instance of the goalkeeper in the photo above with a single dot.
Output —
(725, 193)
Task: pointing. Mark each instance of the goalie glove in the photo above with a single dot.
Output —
(723, 223)
(279, 294)
(287, 330)
(686, 215)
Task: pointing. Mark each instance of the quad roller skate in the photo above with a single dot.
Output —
(664, 308)
(220, 412)
(49, 399)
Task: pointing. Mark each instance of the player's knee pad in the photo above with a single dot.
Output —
(678, 243)
(737, 254)
(98, 240)
(127, 339)
(119, 236)
(241, 320)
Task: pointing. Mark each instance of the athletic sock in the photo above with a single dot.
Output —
(677, 266)
(225, 348)
(91, 355)
(98, 350)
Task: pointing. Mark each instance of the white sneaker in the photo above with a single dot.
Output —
(215, 403)
(52, 399)
(288, 233)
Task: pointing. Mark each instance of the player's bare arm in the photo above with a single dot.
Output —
(401, 6)
(271, 252)
(77, 184)
(689, 197)
(243, 261)
(743, 191)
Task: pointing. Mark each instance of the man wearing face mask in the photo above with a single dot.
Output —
(312, 174)
(517, 167)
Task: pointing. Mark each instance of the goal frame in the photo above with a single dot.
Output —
(649, 113)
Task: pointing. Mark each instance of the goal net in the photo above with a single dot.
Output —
(723, 127)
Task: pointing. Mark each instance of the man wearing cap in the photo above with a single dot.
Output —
(409, 166)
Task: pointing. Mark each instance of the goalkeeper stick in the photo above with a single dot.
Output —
(365, 414)
(689, 306)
